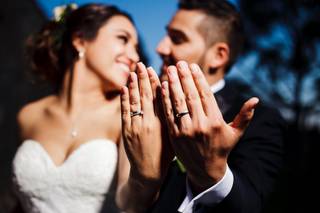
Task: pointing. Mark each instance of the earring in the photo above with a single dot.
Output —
(81, 53)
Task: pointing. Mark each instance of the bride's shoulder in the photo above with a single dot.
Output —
(30, 114)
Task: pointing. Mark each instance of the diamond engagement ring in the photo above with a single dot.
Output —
(136, 113)
(179, 115)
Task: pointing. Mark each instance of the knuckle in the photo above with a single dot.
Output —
(134, 101)
(186, 131)
(204, 94)
(216, 125)
(153, 81)
(168, 113)
(125, 112)
(184, 75)
(147, 95)
(190, 97)
(135, 131)
(179, 101)
(143, 75)
(202, 129)
(132, 86)
(126, 132)
(148, 127)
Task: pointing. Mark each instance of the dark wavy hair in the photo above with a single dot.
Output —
(51, 51)
(222, 19)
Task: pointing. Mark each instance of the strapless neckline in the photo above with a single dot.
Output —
(85, 182)
(73, 153)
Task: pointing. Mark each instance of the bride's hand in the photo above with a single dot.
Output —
(145, 145)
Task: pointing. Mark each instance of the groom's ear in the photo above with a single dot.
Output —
(218, 55)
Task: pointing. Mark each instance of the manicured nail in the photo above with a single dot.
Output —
(194, 68)
(182, 65)
(172, 72)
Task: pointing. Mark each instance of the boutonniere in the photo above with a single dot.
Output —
(180, 165)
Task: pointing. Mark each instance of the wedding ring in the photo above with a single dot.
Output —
(136, 113)
(179, 115)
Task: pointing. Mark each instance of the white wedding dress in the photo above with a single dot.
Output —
(80, 184)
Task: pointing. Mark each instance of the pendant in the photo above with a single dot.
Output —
(74, 133)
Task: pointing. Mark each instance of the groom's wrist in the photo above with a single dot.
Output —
(147, 188)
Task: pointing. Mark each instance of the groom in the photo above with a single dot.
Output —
(230, 168)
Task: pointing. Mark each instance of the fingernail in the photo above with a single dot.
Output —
(172, 73)
(164, 87)
(194, 68)
(182, 65)
(133, 76)
(150, 69)
(122, 91)
(141, 67)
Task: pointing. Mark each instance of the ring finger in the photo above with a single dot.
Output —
(178, 99)
(135, 106)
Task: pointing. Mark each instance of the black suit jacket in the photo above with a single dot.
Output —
(256, 162)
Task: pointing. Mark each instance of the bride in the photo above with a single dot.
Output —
(71, 146)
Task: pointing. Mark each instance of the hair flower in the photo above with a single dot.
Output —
(59, 12)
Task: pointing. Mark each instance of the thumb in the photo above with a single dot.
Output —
(245, 115)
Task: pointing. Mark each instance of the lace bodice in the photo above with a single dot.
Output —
(80, 184)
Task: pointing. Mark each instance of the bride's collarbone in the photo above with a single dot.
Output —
(59, 136)
(51, 125)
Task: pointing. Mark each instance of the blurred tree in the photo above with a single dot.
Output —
(282, 56)
(18, 19)
(281, 64)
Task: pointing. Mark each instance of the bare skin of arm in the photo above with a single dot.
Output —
(148, 153)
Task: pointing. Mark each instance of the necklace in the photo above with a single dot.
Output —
(74, 132)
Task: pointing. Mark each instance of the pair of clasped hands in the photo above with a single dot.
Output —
(177, 117)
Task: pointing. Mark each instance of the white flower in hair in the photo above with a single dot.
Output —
(58, 11)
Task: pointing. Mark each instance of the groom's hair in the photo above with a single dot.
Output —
(222, 24)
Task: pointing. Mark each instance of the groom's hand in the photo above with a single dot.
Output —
(201, 138)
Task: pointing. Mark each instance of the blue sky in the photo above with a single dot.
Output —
(150, 16)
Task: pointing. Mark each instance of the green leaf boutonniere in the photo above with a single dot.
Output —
(180, 165)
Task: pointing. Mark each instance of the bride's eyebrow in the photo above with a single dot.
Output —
(125, 32)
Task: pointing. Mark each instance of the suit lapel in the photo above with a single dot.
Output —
(229, 101)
